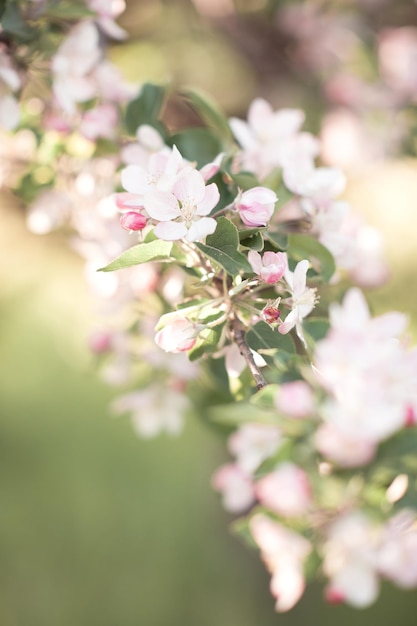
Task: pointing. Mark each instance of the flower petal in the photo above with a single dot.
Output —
(201, 228)
(289, 323)
(135, 179)
(161, 205)
(209, 201)
(170, 231)
(255, 260)
(189, 185)
(300, 277)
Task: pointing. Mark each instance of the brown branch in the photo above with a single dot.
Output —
(239, 337)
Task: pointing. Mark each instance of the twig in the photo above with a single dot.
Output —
(240, 339)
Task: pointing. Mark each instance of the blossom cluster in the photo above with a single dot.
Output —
(368, 374)
(220, 283)
(360, 107)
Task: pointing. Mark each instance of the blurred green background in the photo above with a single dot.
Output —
(97, 527)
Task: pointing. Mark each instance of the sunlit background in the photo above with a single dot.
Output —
(98, 527)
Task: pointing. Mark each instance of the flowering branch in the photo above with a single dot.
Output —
(239, 337)
(205, 247)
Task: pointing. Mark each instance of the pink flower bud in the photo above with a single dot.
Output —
(132, 220)
(270, 267)
(333, 596)
(256, 206)
(180, 335)
(100, 342)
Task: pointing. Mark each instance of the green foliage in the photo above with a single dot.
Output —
(261, 337)
(197, 144)
(306, 247)
(221, 247)
(207, 343)
(146, 108)
(284, 194)
(274, 180)
(157, 250)
(210, 113)
(252, 238)
(278, 239)
(13, 23)
(245, 180)
(317, 328)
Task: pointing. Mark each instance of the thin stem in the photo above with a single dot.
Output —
(239, 337)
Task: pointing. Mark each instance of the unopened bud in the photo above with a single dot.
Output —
(132, 220)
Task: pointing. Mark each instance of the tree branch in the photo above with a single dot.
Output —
(239, 337)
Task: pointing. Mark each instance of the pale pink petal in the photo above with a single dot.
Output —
(259, 112)
(211, 169)
(134, 179)
(201, 228)
(287, 586)
(261, 195)
(161, 205)
(299, 278)
(189, 186)
(289, 323)
(127, 200)
(112, 29)
(243, 133)
(390, 324)
(255, 260)
(209, 201)
(170, 231)
(175, 161)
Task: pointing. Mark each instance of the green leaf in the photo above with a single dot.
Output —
(145, 109)
(142, 253)
(278, 239)
(317, 328)
(13, 23)
(251, 238)
(210, 113)
(197, 144)
(273, 180)
(262, 337)
(399, 451)
(265, 397)
(222, 247)
(284, 195)
(245, 180)
(306, 247)
(207, 342)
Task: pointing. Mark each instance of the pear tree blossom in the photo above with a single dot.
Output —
(256, 206)
(270, 267)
